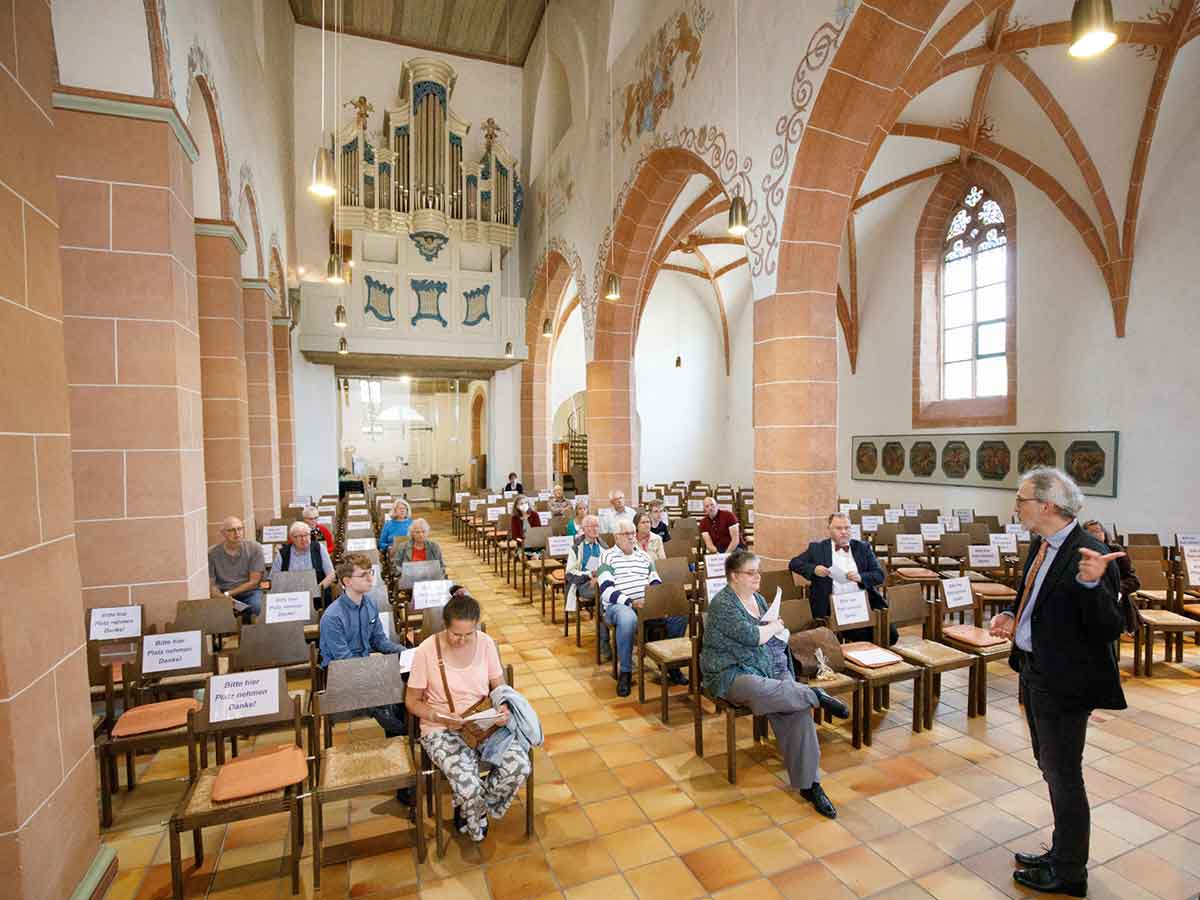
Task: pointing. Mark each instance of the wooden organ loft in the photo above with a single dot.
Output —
(424, 231)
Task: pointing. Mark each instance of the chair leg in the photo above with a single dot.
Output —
(929, 698)
(867, 691)
(300, 817)
(856, 704)
(641, 664)
(981, 702)
(197, 847)
(698, 727)
(529, 798)
(176, 863)
(297, 828)
(106, 788)
(731, 746)
(130, 776)
(1137, 651)
(918, 702)
(419, 820)
(437, 813)
(665, 704)
(318, 837)
(972, 691)
(1148, 649)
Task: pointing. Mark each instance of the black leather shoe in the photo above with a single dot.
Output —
(832, 705)
(1045, 879)
(1033, 860)
(820, 800)
(675, 676)
(624, 683)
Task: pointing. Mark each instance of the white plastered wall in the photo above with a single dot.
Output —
(315, 394)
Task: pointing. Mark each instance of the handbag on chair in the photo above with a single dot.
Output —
(472, 733)
(804, 646)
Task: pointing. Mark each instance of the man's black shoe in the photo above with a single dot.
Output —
(832, 705)
(675, 676)
(1033, 860)
(460, 821)
(624, 683)
(820, 800)
(1045, 879)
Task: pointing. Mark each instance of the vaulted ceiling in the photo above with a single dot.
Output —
(1079, 130)
(494, 30)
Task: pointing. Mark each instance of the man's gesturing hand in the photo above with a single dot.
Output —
(1093, 564)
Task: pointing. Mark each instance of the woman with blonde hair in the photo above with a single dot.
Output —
(396, 526)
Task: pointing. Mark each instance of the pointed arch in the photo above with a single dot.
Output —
(248, 196)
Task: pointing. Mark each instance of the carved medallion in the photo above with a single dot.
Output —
(866, 460)
(1085, 462)
(922, 459)
(993, 460)
(956, 459)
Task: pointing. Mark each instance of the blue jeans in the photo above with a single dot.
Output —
(252, 599)
(624, 618)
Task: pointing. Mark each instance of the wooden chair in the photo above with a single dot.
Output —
(663, 600)
(535, 568)
(796, 615)
(1141, 538)
(1158, 588)
(971, 639)
(907, 606)
(282, 646)
(212, 615)
(988, 581)
(197, 810)
(731, 712)
(376, 765)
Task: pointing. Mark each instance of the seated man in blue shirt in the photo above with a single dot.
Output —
(350, 627)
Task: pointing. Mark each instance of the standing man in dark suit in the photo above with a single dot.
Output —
(855, 558)
(1062, 626)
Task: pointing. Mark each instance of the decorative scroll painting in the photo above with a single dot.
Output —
(993, 460)
(428, 243)
(477, 305)
(379, 299)
(429, 300)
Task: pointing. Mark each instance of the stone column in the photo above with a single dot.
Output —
(133, 351)
(261, 399)
(282, 341)
(48, 835)
(219, 246)
(612, 455)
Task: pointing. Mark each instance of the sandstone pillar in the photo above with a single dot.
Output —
(261, 399)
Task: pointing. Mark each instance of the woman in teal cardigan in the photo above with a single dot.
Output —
(746, 661)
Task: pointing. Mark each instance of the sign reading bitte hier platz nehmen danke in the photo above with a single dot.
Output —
(244, 695)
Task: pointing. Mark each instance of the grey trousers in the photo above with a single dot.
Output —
(788, 705)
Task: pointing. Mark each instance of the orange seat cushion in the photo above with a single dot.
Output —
(916, 572)
(260, 773)
(1192, 609)
(975, 637)
(559, 575)
(152, 717)
(993, 590)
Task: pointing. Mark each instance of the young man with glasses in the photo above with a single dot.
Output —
(235, 567)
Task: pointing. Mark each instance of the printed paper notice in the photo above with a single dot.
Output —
(714, 586)
(406, 659)
(874, 656)
(850, 608)
(1191, 561)
(289, 606)
(355, 544)
(167, 652)
(910, 543)
(243, 695)
(268, 554)
(957, 592)
(1005, 543)
(559, 544)
(892, 515)
(983, 557)
(714, 563)
(856, 531)
(866, 502)
(932, 531)
(114, 622)
(494, 513)
(871, 523)
(430, 594)
(948, 523)
(275, 534)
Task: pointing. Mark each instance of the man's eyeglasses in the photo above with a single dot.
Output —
(1020, 500)
(367, 574)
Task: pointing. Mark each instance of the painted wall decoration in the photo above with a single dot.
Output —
(555, 193)
(477, 305)
(428, 244)
(674, 49)
(379, 299)
(429, 300)
(987, 459)
(866, 459)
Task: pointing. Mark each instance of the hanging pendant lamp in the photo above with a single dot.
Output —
(343, 347)
(1092, 30)
(339, 318)
(333, 269)
(321, 184)
(738, 217)
(612, 290)
(508, 350)
(547, 328)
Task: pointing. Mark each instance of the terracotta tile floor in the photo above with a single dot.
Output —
(623, 808)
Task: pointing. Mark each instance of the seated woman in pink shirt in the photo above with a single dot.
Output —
(465, 661)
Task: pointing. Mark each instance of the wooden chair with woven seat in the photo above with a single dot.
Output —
(951, 553)
(668, 654)
(970, 638)
(796, 615)
(376, 765)
(535, 564)
(731, 712)
(147, 727)
(500, 545)
(1187, 583)
(1158, 590)
(198, 809)
(907, 606)
(555, 576)
(988, 572)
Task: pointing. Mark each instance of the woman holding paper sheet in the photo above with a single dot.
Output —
(746, 661)
(452, 671)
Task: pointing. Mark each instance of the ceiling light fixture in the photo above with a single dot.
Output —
(508, 350)
(547, 328)
(343, 347)
(1092, 30)
(321, 184)
(612, 290)
(679, 362)
(339, 318)
(738, 216)
(333, 269)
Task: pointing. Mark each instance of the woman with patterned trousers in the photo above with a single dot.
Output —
(452, 672)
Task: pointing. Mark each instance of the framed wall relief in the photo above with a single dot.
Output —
(990, 459)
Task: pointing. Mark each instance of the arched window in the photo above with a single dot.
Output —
(975, 300)
(964, 339)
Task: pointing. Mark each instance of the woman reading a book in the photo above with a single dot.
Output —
(746, 661)
(449, 689)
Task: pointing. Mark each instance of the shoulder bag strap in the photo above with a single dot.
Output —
(437, 643)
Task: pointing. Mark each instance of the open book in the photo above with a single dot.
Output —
(484, 715)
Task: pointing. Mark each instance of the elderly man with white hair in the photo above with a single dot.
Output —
(235, 566)
(1063, 626)
(302, 553)
(615, 512)
(311, 516)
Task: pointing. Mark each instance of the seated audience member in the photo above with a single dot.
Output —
(719, 529)
(615, 512)
(658, 521)
(558, 504)
(301, 552)
(582, 562)
(624, 574)
(451, 672)
(350, 628)
(524, 517)
(513, 484)
(419, 548)
(396, 526)
(579, 513)
(320, 532)
(646, 538)
(856, 568)
(747, 662)
(235, 567)
(1130, 583)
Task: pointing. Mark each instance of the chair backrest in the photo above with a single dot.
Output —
(910, 525)
(906, 604)
(558, 526)
(674, 570)
(1152, 573)
(886, 533)
(424, 570)
(954, 544)
(212, 615)
(928, 516)
(977, 532)
(677, 548)
(360, 683)
(133, 669)
(536, 538)
(1141, 538)
(286, 582)
(992, 523)
(270, 646)
(782, 580)
(665, 600)
(795, 614)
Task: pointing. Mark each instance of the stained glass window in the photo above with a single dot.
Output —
(974, 297)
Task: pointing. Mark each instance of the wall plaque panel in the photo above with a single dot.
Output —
(988, 459)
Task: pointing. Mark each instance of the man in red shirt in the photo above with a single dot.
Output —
(719, 528)
(310, 514)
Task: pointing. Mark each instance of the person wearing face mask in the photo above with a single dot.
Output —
(852, 564)
(524, 517)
